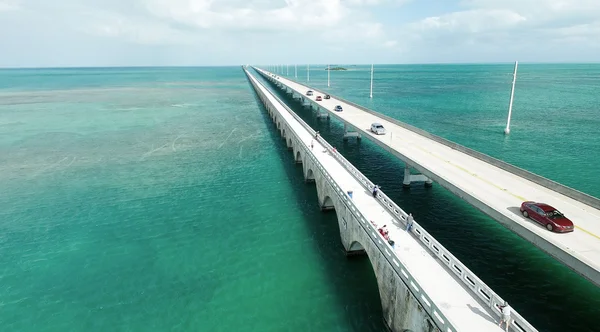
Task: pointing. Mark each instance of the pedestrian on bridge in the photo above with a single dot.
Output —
(505, 315)
(312, 144)
(409, 222)
(375, 189)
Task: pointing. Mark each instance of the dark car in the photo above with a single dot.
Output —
(319, 98)
(309, 93)
(327, 97)
(547, 216)
(338, 108)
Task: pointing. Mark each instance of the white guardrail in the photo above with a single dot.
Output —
(468, 278)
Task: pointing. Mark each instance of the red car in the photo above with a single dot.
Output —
(319, 98)
(547, 216)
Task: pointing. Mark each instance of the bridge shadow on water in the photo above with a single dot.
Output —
(352, 279)
(539, 287)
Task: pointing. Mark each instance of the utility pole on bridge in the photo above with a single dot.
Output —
(512, 95)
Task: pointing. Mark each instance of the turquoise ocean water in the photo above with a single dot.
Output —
(162, 199)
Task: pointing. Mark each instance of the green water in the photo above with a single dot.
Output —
(141, 205)
(162, 199)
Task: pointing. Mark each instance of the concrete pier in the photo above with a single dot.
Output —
(410, 178)
(349, 132)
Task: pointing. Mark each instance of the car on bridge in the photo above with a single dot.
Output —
(309, 93)
(338, 108)
(377, 129)
(327, 97)
(319, 98)
(547, 216)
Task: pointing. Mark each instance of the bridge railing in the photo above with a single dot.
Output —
(468, 278)
(535, 178)
(386, 250)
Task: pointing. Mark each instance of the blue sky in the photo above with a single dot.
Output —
(40, 33)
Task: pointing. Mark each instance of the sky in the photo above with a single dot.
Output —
(63, 33)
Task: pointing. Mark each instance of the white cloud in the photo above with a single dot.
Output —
(294, 15)
(137, 30)
(511, 28)
(390, 43)
(7, 5)
(375, 2)
(233, 31)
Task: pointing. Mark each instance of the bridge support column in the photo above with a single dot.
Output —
(409, 178)
(322, 115)
(348, 133)
(428, 183)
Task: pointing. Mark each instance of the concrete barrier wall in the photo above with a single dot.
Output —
(552, 185)
(405, 305)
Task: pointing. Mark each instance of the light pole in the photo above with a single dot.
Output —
(512, 95)
(371, 93)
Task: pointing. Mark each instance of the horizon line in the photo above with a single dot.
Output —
(303, 64)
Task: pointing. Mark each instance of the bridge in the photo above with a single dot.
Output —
(422, 286)
(491, 185)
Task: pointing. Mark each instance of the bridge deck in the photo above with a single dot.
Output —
(456, 302)
(494, 187)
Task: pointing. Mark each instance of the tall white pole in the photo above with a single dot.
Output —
(371, 93)
(295, 71)
(512, 95)
(308, 73)
(328, 75)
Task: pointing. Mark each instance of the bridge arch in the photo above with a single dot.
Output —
(356, 246)
(310, 176)
(298, 157)
(327, 204)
